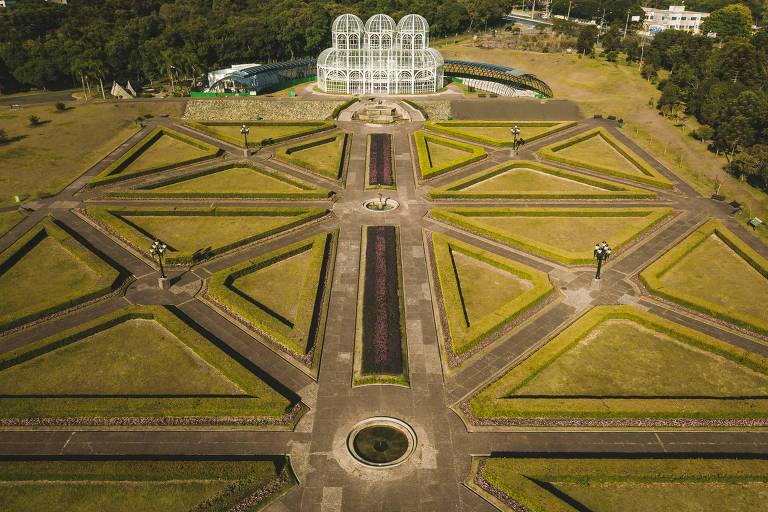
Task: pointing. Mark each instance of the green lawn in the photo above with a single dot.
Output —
(8, 220)
(502, 132)
(621, 362)
(525, 180)
(236, 179)
(440, 154)
(139, 362)
(595, 150)
(498, 133)
(559, 233)
(129, 485)
(193, 234)
(50, 156)
(166, 150)
(323, 155)
(610, 484)
(258, 132)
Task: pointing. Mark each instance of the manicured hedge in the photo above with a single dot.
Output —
(309, 191)
(493, 401)
(286, 154)
(450, 128)
(346, 104)
(652, 176)
(650, 276)
(425, 161)
(311, 127)
(612, 190)
(109, 277)
(417, 107)
(115, 170)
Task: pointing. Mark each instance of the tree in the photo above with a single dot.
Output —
(736, 132)
(730, 22)
(671, 100)
(586, 41)
(563, 26)
(612, 39)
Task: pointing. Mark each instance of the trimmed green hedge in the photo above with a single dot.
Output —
(494, 402)
(115, 170)
(309, 191)
(342, 139)
(343, 106)
(261, 399)
(417, 107)
(425, 161)
(108, 281)
(612, 190)
(652, 176)
(463, 337)
(651, 274)
(312, 127)
(450, 128)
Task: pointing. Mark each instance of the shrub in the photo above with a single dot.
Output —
(337, 110)
(60, 107)
(34, 120)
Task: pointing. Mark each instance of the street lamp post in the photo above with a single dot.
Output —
(244, 130)
(158, 249)
(602, 251)
(515, 134)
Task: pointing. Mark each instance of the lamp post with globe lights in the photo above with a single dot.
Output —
(158, 249)
(244, 130)
(602, 251)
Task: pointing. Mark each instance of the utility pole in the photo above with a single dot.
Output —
(626, 25)
(600, 27)
(568, 16)
(533, 9)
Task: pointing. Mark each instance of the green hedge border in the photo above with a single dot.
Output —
(451, 128)
(312, 127)
(368, 185)
(343, 106)
(109, 277)
(107, 217)
(613, 190)
(310, 191)
(418, 107)
(652, 176)
(650, 276)
(261, 397)
(114, 172)
(285, 154)
(490, 402)
(452, 298)
(425, 162)
(457, 216)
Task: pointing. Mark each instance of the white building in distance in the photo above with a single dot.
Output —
(676, 17)
(380, 57)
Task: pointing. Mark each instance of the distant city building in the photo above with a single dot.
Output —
(676, 17)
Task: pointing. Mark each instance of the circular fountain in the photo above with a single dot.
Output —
(381, 442)
(382, 204)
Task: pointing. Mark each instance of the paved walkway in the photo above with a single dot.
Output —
(432, 478)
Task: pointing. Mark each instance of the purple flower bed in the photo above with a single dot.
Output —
(380, 160)
(382, 336)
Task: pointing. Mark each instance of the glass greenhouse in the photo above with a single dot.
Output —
(380, 57)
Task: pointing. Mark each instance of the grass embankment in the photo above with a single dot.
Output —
(49, 156)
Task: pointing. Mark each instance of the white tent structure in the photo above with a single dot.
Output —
(380, 57)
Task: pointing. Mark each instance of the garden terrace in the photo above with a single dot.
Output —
(534, 180)
(380, 345)
(260, 133)
(246, 110)
(123, 484)
(237, 180)
(636, 484)
(478, 295)
(714, 272)
(600, 151)
(86, 376)
(283, 295)
(48, 270)
(160, 150)
(325, 156)
(195, 234)
(380, 169)
(497, 133)
(667, 375)
(563, 234)
(438, 155)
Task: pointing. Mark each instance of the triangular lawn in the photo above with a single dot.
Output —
(498, 133)
(600, 151)
(563, 234)
(161, 149)
(143, 361)
(194, 234)
(521, 179)
(234, 180)
(324, 156)
(278, 292)
(715, 272)
(618, 361)
(47, 270)
(438, 155)
(481, 291)
(260, 132)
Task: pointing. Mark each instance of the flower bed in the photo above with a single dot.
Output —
(380, 160)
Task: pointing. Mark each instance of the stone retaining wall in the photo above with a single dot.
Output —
(229, 109)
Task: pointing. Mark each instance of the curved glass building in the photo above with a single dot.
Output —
(380, 57)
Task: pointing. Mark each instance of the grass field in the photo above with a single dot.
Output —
(531, 181)
(323, 155)
(164, 151)
(633, 485)
(8, 220)
(257, 133)
(48, 157)
(236, 179)
(595, 150)
(438, 155)
(559, 233)
(128, 485)
(498, 133)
